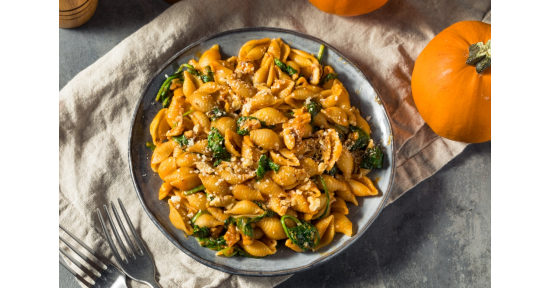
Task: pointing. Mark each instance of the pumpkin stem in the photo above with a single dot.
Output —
(480, 55)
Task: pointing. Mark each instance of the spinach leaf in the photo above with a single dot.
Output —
(209, 76)
(181, 140)
(304, 235)
(328, 78)
(264, 165)
(201, 231)
(285, 68)
(194, 190)
(245, 226)
(313, 108)
(243, 119)
(215, 143)
(190, 69)
(215, 244)
(333, 171)
(150, 145)
(372, 158)
(216, 113)
(363, 138)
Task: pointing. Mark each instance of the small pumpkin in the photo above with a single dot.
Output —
(451, 82)
(348, 7)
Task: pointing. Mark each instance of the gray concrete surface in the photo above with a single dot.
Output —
(436, 235)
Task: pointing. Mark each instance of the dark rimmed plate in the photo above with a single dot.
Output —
(363, 95)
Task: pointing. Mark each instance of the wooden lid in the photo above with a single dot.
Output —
(67, 6)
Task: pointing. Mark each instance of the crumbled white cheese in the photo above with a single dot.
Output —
(175, 199)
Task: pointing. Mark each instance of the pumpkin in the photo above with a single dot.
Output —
(451, 82)
(348, 7)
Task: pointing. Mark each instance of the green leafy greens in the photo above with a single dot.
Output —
(285, 68)
(328, 78)
(265, 164)
(150, 145)
(242, 120)
(320, 53)
(372, 158)
(215, 143)
(194, 190)
(327, 196)
(363, 138)
(304, 235)
(209, 76)
(216, 113)
(313, 108)
(181, 140)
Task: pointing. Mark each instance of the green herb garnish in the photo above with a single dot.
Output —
(190, 69)
(194, 190)
(216, 113)
(363, 138)
(215, 143)
(242, 120)
(211, 243)
(187, 113)
(201, 231)
(181, 140)
(304, 235)
(328, 78)
(264, 165)
(372, 158)
(209, 76)
(320, 53)
(285, 68)
(150, 145)
(313, 108)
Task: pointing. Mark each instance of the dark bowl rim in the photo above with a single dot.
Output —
(230, 270)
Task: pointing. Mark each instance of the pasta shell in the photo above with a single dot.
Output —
(345, 163)
(311, 167)
(361, 122)
(269, 187)
(359, 189)
(187, 182)
(200, 147)
(167, 167)
(207, 220)
(218, 214)
(339, 206)
(335, 115)
(243, 192)
(258, 249)
(258, 233)
(280, 205)
(288, 175)
(224, 124)
(272, 227)
(209, 56)
(179, 220)
(164, 190)
(343, 224)
(178, 174)
(215, 184)
(200, 119)
(266, 139)
(270, 116)
(366, 181)
(292, 246)
(235, 178)
(233, 143)
(197, 201)
(154, 126)
(201, 101)
(245, 207)
(188, 86)
(163, 151)
(328, 234)
(188, 159)
(284, 157)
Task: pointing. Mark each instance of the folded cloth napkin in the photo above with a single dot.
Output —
(96, 107)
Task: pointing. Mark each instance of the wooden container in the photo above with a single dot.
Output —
(73, 13)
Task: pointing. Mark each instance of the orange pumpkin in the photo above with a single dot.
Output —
(451, 82)
(348, 7)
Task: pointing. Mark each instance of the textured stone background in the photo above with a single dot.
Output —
(436, 235)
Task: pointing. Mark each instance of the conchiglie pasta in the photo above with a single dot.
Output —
(277, 137)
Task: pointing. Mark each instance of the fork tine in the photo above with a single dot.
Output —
(75, 262)
(135, 235)
(109, 239)
(99, 257)
(126, 236)
(117, 235)
(88, 260)
(80, 278)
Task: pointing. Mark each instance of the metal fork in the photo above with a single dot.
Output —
(137, 262)
(109, 275)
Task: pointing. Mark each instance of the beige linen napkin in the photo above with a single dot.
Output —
(96, 107)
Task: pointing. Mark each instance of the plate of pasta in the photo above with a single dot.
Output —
(261, 151)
